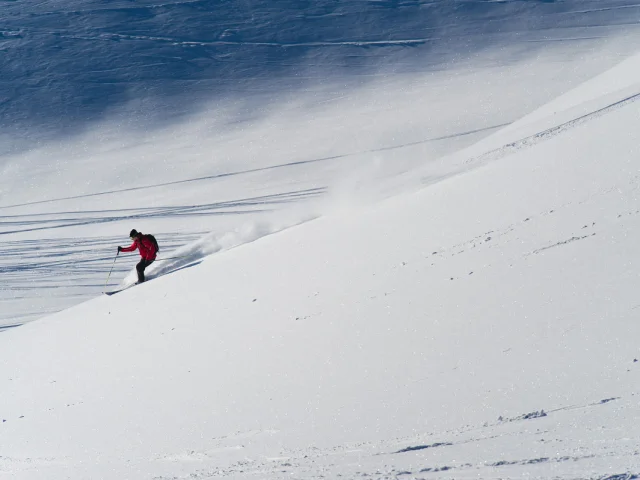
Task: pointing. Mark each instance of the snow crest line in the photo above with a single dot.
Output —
(597, 10)
(551, 132)
(294, 163)
(204, 43)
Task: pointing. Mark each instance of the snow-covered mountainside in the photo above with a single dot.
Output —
(68, 63)
(384, 270)
(484, 327)
(199, 121)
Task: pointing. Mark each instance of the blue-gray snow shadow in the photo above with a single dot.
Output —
(170, 268)
(7, 327)
(68, 63)
(53, 220)
(175, 268)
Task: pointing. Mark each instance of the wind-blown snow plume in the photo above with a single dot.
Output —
(195, 252)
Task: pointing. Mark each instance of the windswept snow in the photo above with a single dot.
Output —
(427, 275)
(483, 327)
(193, 142)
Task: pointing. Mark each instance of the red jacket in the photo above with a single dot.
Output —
(146, 247)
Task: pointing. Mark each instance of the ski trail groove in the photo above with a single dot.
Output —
(549, 133)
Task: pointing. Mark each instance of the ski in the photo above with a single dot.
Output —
(113, 292)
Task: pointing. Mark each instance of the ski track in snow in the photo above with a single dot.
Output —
(551, 132)
(66, 266)
(296, 163)
(54, 220)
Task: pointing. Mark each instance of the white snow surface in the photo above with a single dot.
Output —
(431, 274)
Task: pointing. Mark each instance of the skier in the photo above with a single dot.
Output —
(148, 248)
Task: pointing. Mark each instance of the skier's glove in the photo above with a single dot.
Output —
(119, 249)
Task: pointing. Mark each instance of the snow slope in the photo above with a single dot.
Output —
(482, 327)
(66, 65)
(238, 119)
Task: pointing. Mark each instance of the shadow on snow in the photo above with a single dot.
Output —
(66, 64)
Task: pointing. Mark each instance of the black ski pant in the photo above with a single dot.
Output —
(140, 268)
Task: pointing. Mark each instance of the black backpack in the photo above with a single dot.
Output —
(154, 241)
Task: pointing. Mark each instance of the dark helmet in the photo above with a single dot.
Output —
(133, 233)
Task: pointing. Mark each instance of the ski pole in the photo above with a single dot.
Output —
(112, 265)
